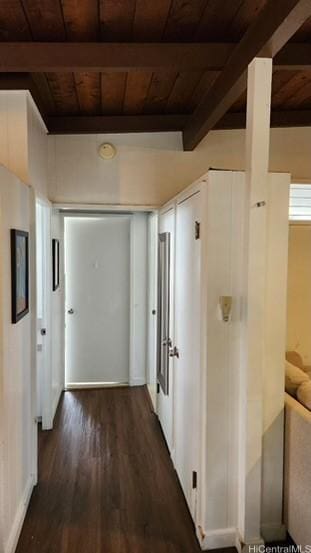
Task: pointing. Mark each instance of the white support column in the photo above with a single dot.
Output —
(257, 160)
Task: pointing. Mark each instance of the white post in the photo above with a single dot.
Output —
(257, 161)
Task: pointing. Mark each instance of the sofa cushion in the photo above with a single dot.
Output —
(294, 377)
(304, 394)
(295, 359)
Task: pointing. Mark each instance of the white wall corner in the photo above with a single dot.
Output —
(137, 381)
(273, 532)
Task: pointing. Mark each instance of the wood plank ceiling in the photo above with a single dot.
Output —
(139, 92)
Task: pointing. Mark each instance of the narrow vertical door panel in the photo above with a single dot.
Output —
(152, 307)
(97, 260)
(44, 327)
(166, 324)
(187, 338)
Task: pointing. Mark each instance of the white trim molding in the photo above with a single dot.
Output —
(137, 381)
(93, 385)
(16, 529)
(77, 207)
(217, 539)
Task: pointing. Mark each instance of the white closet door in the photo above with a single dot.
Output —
(187, 338)
(97, 254)
(165, 401)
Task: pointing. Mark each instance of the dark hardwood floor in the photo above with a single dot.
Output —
(106, 481)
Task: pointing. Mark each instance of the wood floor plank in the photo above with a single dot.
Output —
(106, 481)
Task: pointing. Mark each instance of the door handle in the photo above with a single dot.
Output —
(174, 352)
(70, 311)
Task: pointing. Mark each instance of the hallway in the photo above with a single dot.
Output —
(106, 481)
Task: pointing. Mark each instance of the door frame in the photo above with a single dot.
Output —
(137, 340)
(164, 283)
(169, 209)
(152, 308)
(47, 395)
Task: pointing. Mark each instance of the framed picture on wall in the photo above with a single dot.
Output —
(19, 274)
(55, 263)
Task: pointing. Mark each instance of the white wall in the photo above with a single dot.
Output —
(299, 291)
(58, 316)
(17, 369)
(23, 140)
(13, 136)
(142, 164)
(37, 143)
(222, 260)
(151, 168)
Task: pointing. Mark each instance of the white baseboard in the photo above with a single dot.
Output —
(56, 402)
(273, 532)
(93, 385)
(243, 547)
(218, 539)
(138, 381)
(17, 525)
(153, 395)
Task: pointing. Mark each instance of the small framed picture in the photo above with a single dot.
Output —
(19, 274)
(55, 262)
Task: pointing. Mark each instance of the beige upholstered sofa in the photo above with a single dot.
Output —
(297, 491)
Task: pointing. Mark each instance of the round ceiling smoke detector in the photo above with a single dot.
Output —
(107, 151)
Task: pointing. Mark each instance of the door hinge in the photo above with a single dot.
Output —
(158, 388)
(194, 480)
(197, 230)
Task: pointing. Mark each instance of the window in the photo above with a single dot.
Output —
(300, 202)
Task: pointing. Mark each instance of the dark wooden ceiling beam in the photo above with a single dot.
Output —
(157, 123)
(39, 57)
(137, 123)
(279, 119)
(115, 123)
(275, 25)
(294, 56)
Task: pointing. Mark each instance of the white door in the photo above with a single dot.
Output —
(44, 327)
(166, 321)
(187, 338)
(97, 267)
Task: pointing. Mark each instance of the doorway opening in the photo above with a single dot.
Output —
(105, 299)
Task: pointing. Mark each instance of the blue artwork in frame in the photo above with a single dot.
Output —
(20, 274)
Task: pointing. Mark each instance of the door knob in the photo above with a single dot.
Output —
(174, 352)
(70, 311)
